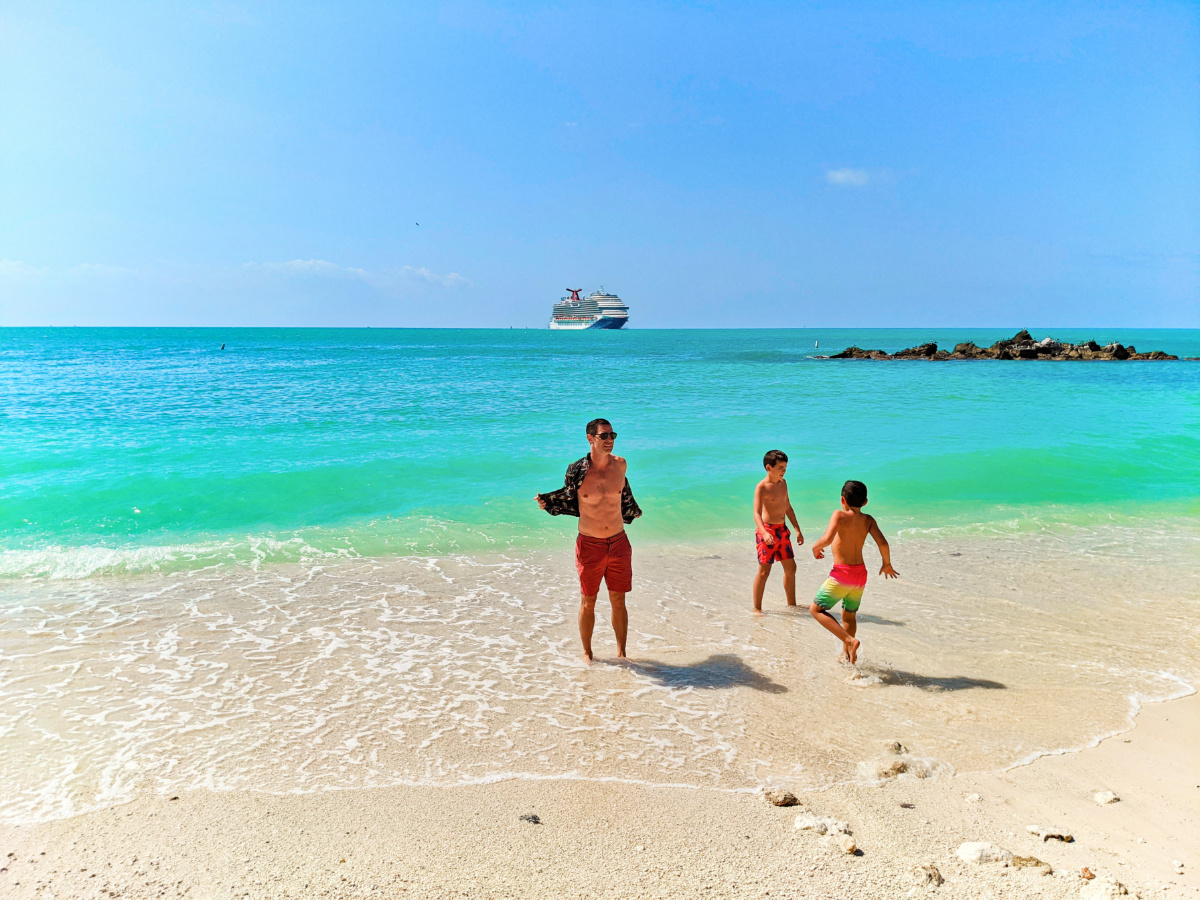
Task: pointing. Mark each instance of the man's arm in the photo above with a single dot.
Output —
(818, 549)
(884, 550)
(759, 528)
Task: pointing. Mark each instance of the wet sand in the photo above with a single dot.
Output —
(606, 839)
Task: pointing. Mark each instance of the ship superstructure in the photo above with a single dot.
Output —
(596, 310)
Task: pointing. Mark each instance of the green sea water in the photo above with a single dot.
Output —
(142, 449)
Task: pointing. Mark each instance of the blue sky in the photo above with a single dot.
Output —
(740, 165)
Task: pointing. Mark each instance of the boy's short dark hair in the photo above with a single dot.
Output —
(854, 493)
(774, 458)
(593, 427)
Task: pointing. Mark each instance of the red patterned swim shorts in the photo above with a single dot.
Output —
(778, 551)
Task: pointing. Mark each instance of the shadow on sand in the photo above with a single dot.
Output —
(718, 671)
(935, 683)
(880, 620)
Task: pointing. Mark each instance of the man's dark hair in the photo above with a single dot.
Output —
(774, 458)
(854, 493)
(593, 427)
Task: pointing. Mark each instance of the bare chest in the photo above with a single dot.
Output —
(599, 485)
(775, 496)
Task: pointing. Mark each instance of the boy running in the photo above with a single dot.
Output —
(847, 532)
(771, 536)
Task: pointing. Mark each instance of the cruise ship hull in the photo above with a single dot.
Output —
(602, 322)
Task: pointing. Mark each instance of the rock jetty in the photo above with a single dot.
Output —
(1019, 346)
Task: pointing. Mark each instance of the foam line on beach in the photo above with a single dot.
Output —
(1136, 702)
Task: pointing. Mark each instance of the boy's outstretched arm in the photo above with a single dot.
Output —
(759, 528)
(884, 550)
(791, 514)
(818, 549)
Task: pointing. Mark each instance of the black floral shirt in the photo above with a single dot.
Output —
(565, 501)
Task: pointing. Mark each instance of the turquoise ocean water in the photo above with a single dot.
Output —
(146, 449)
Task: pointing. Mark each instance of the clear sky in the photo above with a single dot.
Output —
(752, 164)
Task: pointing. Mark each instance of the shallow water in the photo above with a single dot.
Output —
(360, 673)
(314, 562)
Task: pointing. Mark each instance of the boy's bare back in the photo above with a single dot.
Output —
(851, 528)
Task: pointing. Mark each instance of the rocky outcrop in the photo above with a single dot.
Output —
(1020, 346)
(925, 351)
(859, 353)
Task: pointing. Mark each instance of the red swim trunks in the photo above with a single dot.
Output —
(608, 558)
(780, 550)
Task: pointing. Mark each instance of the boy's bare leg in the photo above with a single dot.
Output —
(587, 621)
(620, 620)
(789, 581)
(850, 624)
(849, 642)
(760, 584)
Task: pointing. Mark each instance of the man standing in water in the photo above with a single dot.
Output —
(597, 491)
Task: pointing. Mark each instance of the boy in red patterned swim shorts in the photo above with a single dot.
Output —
(771, 537)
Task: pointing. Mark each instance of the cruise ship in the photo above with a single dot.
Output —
(596, 310)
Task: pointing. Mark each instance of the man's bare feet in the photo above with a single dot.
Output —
(758, 612)
(852, 646)
(586, 656)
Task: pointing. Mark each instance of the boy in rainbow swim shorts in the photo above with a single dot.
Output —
(847, 532)
(772, 539)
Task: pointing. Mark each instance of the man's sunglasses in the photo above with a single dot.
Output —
(606, 435)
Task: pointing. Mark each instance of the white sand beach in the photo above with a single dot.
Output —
(599, 839)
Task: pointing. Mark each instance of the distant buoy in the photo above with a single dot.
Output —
(222, 346)
(816, 344)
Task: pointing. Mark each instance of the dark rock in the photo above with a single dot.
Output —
(924, 351)
(1022, 336)
(930, 875)
(1004, 354)
(1117, 351)
(942, 354)
(859, 353)
(1027, 353)
(531, 818)
(1158, 354)
(1089, 345)
(1049, 834)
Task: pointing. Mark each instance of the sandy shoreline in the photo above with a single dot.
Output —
(603, 839)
